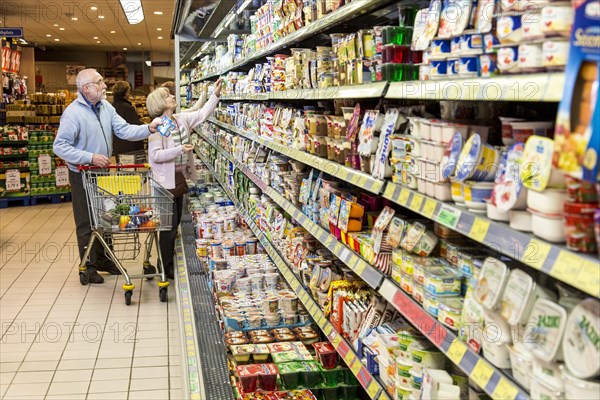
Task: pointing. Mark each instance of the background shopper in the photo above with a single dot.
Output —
(168, 157)
(85, 137)
(123, 107)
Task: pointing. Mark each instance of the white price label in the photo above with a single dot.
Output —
(45, 164)
(13, 180)
(62, 176)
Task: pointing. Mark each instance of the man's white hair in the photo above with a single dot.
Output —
(83, 78)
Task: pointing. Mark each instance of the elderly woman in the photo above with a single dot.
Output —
(170, 157)
(123, 107)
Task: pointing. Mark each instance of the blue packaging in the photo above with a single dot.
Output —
(166, 127)
(468, 66)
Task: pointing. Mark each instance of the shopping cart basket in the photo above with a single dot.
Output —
(133, 157)
(123, 202)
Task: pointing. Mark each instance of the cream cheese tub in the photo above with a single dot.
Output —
(491, 282)
(449, 311)
(541, 390)
(496, 338)
(549, 320)
(518, 298)
(577, 389)
(549, 373)
(581, 341)
(521, 362)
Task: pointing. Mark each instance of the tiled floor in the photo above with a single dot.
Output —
(61, 340)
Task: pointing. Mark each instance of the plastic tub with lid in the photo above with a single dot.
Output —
(443, 281)
(581, 341)
(490, 285)
(541, 390)
(520, 294)
(549, 320)
(496, 339)
(577, 389)
(478, 161)
(520, 220)
(549, 227)
(449, 312)
(549, 373)
(550, 201)
(521, 363)
(477, 193)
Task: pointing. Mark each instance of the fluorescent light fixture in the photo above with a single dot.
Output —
(100, 16)
(218, 31)
(74, 19)
(125, 48)
(205, 46)
(159, 29)
(160, 37)
(139, 44)
(113, 31)
(148, 62)
(57, 40)
(133, 11)
(61, 29)
(158, 13)
(96, 37)
(48, 35)
(243, 6)
(93, 8)
(97, 41)
(54, 24)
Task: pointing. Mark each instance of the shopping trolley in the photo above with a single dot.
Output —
(124, 202)
(133, 157)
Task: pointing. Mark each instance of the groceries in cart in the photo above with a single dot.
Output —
(132, 217)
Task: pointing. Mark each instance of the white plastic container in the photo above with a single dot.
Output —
(549, 373)
(581, 340)
(496, 339)
(421, 185)
(520, 220)
(548, 227)
(540, 390)
(491, 282)
(521, 361)
(429, 188)
(550, 201)
(476, 194)
(577, 389)
(443, 191)
(518, 298)
(495, 214)
(549, 319)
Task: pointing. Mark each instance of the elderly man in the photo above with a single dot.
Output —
(85, 137)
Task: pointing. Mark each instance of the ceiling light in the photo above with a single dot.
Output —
(48, 35)
(74, 19)
(158, 13)
(96, 37)
(97, 41)
(61, 29)
(93, 8)
(55, 24)
(160, 37)
(113, 32)
(57, 40)
(101, 16)
(148, 62)
(125, 48)
(243, 6)
(159, 29)
(139, 44)
(133, 11)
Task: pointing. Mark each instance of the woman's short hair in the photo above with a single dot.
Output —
(120, 88)
(156, 102)
(171, 86)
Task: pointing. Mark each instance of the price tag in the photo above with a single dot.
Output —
(588, 279)
(356, 367)
(389, 191)
(362, 181)
(567, 266)
(372, 389)
(403, 198)
(456, 351)
(328, 329)
(349, 358)
(13, 180)
(45, 164)
(416, 202)
(482, 373)
(321, 321)
(505, 390)
(336, 340)
(360, 268)
(448, 216)
(535, 253)
(479, 229)
(429, 208)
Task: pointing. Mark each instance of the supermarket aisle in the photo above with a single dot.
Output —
(61, 340)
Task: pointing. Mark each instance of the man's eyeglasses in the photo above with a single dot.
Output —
(99, 82)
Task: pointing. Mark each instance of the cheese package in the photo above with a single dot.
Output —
(577, 136)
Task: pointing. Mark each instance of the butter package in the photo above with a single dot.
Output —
(577, 137)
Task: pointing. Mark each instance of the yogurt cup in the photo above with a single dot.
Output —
(520, 220)
(471, 44)
(468, 66)
(452, 68)
(549, 319)
(477, 193)
(549, 201)
(457, 192)
(537, 172)
(488, 65)
(495, 214)
(496, 339)
(440, 48)
(490, 285)
(438, 69)
(581, 340)
(451, 155)
(577, 389)
(478, 161)
(549, 227)
(431, 303)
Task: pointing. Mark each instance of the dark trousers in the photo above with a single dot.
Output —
(82, 223)
(166, 239)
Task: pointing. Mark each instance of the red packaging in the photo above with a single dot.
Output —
(579, 227)
(327, 354)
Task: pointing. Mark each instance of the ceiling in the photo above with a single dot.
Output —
(40, 19)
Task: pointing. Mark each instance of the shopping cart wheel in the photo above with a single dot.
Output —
(149, 269)
(83, 278)
(162, 293)
(128, 294)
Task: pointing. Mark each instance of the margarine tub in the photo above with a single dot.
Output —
(518, 297)
(581, 341)
(418, 293)
(549, 320)
(406, 283)
(541, 390)
(491, 282)
(407, 336)
(470, 263)
(577, 389)
(497, 337)
(549, 372)
(521, 362)
(425, 355)
(424, 264)
(403, 372)
(443, 281)
(431, 303)
(449, 312)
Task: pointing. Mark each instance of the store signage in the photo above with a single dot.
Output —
(62, 176)
(13, 180)
(11, 32)
(161, 63)
(11, 60)
(45, 165)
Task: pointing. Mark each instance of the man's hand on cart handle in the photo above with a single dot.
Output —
(153, 126)
(100, 160)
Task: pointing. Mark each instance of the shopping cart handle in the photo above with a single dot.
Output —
(117, 166)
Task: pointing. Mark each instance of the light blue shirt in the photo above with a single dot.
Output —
(85, 130)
